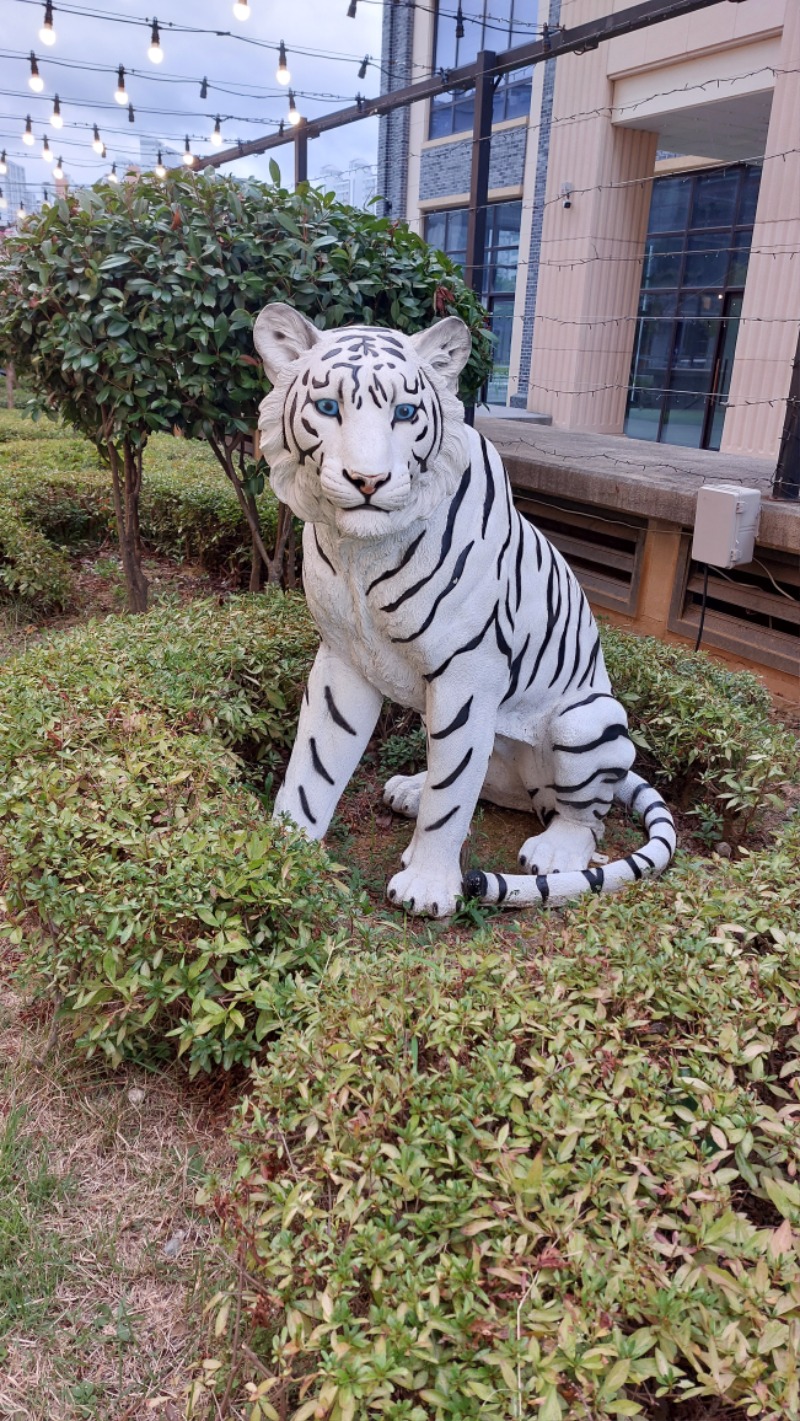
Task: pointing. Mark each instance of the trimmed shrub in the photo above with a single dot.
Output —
(707, 735)
(154, 897)
(557, 1181)
(56, 495)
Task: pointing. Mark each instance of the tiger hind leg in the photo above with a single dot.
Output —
(588, 752)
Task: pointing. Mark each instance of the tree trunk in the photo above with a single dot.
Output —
(10, 385)
(256, 561)
(274, 565)
(126, 478)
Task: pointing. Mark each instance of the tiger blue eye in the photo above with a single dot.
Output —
(405, 411)
(328, 407)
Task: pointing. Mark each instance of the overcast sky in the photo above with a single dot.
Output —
(173, 87)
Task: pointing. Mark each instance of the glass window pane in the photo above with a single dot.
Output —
(695, 347)
(751, 182)
(658, 303)
(643, 415)
(441, 117)
(662, 261)
(463, 113)
(435, 229)
(683, 419)
(444, 52)
(715, 199)
(669, 204)
(456, 240)
(740, 256)
(706, 259)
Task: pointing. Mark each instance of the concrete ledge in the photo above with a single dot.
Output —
(652, 480)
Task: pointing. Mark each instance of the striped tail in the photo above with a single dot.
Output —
(520, 890)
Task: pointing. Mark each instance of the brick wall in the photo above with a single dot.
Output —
(446, 169)
(396, 57)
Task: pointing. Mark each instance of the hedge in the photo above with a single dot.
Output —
(154, 897)
(550, 1173)
(55, 496)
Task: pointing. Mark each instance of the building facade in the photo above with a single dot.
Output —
(642, 270)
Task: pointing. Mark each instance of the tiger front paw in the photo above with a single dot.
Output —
(430, 895)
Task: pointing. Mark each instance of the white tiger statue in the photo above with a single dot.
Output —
(428, 587)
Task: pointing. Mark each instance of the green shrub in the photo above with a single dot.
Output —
(706, 734)
(56, 495)
(493, 1182)
(154, 897)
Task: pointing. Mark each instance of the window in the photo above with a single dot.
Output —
(488, 24)
(695, 263)
(448, 231)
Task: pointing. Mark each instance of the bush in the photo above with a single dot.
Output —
(154, 897)
(496, 1182)
(56, 496)
(706, 734)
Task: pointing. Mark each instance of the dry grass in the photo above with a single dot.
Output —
(112, 1252)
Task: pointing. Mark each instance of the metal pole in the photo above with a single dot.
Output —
(475, 260)
(301, 153)
(786, 483)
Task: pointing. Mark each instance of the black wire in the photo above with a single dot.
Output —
(702, 608)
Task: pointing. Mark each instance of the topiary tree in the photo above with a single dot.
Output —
(132, 309)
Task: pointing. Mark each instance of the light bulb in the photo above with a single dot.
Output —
(3, 164)
(155, 53)
(112, 177)
(119, 93)
(216, 137)
(56, 121)
(294, 116)
(27, 136)
(47, 152)
(160, 170)
(283, 76)
(58, 171)
(241, 10)
(187, 154)
(97, 142)
(47, 33)
(36, 82)
(21, 214)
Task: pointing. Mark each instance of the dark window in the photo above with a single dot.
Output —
(695, 264)
(448, 231)
(488, 24)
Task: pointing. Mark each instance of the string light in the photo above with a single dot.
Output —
(45, 195)
(47, 33)
(112, 176)
(97, 142)
(362, 68)
(459, 22)
(131, 114)
(351, 9)
(36, 82)
(47, 153)
(241, 10)
(188, 156)
(27, 136)
(21, 213)
(283, 76)
(155, 53)
(58, 171)
(216, 137)
(161, 171)
(204, 89)
(104, 151)
(119, 93)
(56, 121)
(294, 116)
(3, 164)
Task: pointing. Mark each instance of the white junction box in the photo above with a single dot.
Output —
(725, 524)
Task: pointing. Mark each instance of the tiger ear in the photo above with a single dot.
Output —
(280, 336)
(446, 346)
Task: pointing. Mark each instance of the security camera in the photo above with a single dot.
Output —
(566, 194)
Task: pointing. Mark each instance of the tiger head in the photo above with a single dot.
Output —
(363, 428)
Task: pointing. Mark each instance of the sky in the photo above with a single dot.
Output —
(242, 87)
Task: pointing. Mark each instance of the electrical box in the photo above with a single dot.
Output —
(725, 524)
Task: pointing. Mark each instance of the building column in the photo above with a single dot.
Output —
(591, 253)
(767, 341)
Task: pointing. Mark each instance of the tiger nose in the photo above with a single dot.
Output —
(368, 483)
